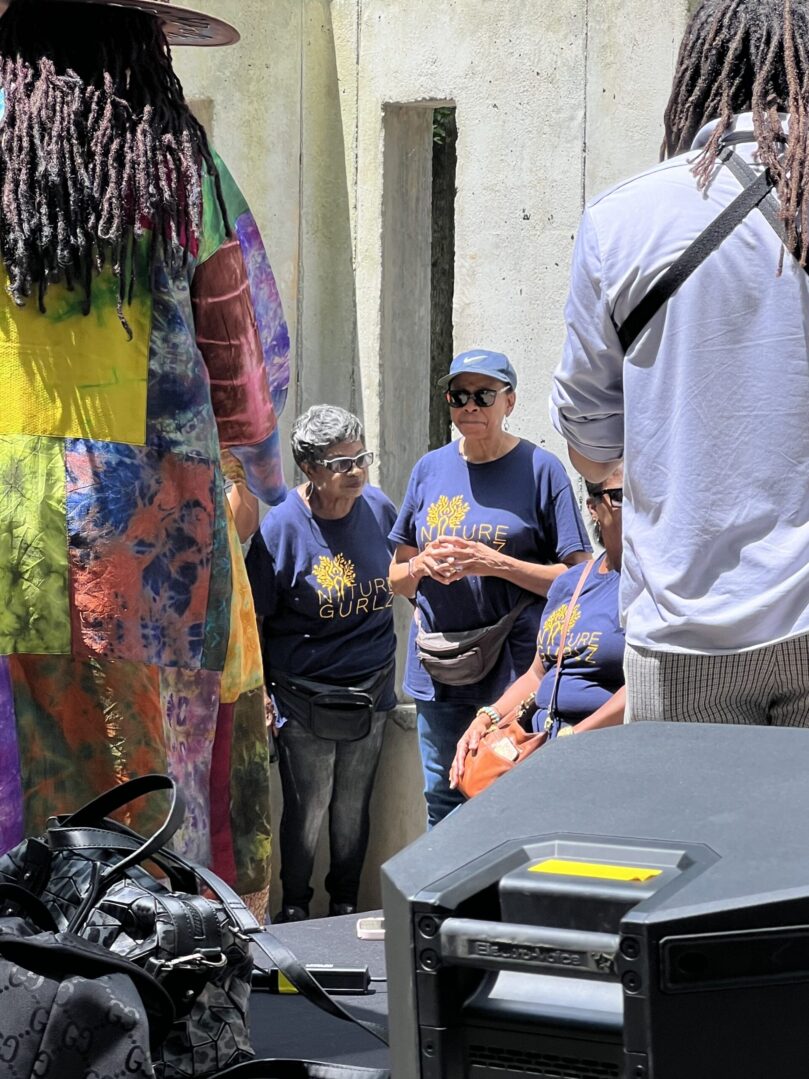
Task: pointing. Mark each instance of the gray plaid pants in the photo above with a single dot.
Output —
(768, 685)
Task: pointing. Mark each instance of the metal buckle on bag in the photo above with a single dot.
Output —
(195, 961)
(549, 722)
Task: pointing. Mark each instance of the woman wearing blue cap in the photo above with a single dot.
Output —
(487, 524)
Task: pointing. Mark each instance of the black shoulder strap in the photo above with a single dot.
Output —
(769, 207)
(295, 972)
(708, 240)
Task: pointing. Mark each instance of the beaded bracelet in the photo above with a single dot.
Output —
(492, 713)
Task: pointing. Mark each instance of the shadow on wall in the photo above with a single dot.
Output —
(327, 354)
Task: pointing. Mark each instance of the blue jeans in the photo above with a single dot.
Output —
(441, 724)
(319, 775)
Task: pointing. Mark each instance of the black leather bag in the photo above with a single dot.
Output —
(87, 872)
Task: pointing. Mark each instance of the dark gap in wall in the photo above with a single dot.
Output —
(445, 138)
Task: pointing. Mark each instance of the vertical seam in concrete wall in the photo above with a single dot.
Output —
(299, 297)
(356, 395)
(585, 87)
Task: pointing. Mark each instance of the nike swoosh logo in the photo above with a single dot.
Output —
(474, 359)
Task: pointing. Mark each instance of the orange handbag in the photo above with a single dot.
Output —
(502, 747)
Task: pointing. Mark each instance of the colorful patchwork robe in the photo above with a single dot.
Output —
(128, 640)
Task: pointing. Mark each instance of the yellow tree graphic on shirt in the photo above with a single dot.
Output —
(555, 621)
(446, 513)
(337, 573)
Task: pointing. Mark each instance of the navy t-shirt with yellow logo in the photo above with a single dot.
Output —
(322, 589)
(522, 504)
(593, 665)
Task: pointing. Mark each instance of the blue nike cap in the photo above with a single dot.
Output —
(480, 361)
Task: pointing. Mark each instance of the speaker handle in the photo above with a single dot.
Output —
(527, 948)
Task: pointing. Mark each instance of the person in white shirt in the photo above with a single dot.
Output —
(706, 396)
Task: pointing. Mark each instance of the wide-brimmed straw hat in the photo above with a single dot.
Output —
(181, 25)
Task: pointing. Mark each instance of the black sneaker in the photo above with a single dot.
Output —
(340, 910)
(291, 914)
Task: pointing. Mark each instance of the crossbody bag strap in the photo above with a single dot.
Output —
(574, 599)
(769, 207)
(693, 257)
(294, 971)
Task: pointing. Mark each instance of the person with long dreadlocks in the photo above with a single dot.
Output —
(687, 353)
(141, 334)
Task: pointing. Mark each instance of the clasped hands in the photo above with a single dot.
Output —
(450, 558)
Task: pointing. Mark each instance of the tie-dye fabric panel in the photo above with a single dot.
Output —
(272, 326)
(83, 726)
(140, 527)
(11, 812)
(180, 416)
(34, 614)
(250, 790)
(190, 700)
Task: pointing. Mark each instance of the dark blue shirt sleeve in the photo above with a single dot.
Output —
(558, 513)
(261, 573)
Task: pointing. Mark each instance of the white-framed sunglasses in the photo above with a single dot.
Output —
(342, 465)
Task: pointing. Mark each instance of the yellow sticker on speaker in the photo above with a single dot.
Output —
(561, 867)
(285, 985)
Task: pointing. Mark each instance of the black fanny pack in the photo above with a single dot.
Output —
(339, 713)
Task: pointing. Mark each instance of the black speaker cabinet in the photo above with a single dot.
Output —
(628, 903)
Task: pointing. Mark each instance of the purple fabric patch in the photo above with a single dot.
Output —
(190, 706)
(272, 326)
(11, 817)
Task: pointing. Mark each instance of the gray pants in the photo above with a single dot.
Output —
(317, 775)
(768, 685)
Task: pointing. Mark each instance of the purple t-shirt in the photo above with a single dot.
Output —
(593, 667)
(521, 504)
(322, 588)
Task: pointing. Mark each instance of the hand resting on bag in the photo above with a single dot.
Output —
(467, 743)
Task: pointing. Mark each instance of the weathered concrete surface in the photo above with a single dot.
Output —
(312, 111)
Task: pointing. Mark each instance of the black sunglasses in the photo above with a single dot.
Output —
(616, 495)
(344, 465)
(482, 398)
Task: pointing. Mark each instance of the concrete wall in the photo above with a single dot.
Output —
(323, 113)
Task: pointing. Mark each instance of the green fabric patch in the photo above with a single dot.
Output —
(34, 609)
(250, 794)
(213, 227)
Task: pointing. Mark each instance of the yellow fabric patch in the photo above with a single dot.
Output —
(559, 867)
(65, 375)
(243, 668)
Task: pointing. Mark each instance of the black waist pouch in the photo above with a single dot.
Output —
(338, 713)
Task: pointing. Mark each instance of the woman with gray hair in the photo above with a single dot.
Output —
(319, 573)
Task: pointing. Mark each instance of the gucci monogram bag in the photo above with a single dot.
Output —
(180, 928)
